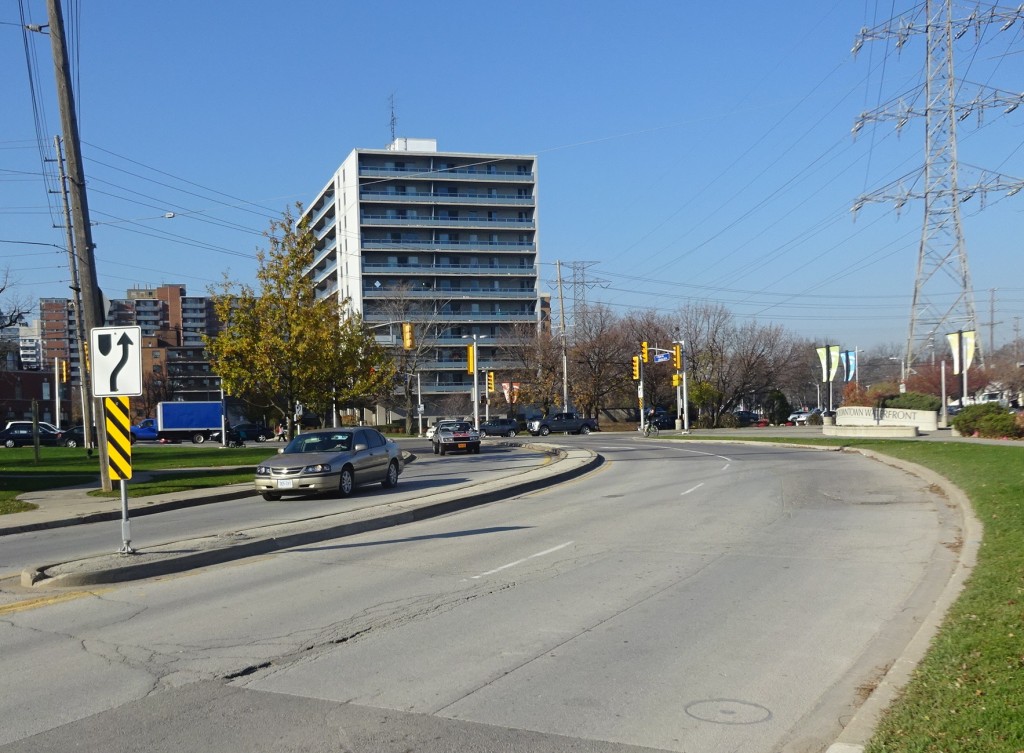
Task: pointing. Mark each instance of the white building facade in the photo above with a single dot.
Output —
(445, 240)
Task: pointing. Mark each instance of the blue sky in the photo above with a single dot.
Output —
(687, 151)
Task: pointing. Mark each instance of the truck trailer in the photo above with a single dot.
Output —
(178, 421)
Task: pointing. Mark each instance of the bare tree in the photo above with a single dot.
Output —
(12, 308)
(600, 359)
(537, 359)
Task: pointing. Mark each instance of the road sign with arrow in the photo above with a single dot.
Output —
(116, 361)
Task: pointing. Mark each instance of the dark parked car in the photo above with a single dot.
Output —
(251, 432)
(75, 437)
(746, 417)
(20, 436)
(499, 427)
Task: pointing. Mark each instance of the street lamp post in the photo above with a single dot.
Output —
(476, 379)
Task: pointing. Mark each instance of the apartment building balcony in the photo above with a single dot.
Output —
(319, 254)
(510, 270)
(325, 230)
(448, 174)
(467, 317)
(468, 199)
(432, 246)
(482, 223)
(370, 291)
(316, 215)
(325, 272)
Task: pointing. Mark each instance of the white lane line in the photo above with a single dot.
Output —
(708, 454)
(524, 559)
(726, 466)
(698, 486)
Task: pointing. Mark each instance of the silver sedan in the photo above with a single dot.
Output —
(330, 461)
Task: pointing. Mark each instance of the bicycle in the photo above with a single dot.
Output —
(648, 429)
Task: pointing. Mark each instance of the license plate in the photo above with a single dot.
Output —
(462, 445)
(285, 483)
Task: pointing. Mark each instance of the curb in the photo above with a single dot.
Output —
(108, 568)
(232, 492)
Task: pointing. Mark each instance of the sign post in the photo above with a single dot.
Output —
(116, 375)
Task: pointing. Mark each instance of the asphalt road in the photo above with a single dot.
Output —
(683, 597)
(426, 474)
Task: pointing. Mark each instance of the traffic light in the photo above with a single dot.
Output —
(490, 381)
(636, 368)
(643, 353)
(408, 336)
(676, 380)
(471, 358)
(64, 371)
(677, 356)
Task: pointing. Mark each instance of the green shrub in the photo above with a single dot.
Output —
(776, 407)
(728, 421)
(999, 425)
(704, 422)
(815, 419)
(914, 401)
(967, 421)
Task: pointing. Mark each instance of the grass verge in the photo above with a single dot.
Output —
(60, 467)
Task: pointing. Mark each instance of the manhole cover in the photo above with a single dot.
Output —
(727, 711)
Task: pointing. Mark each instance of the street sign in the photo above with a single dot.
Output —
(116, 361)
(662, 357)
(119, 437)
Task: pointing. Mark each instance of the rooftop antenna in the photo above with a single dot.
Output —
(394, 117)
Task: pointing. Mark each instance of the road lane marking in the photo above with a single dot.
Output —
(726, 466)
(698, 486)
(524, 559)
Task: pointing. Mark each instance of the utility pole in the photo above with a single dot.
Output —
(565, 356)
(942, 268)
(76, 291)
(91, 312)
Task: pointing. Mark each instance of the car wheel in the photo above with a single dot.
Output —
(198, 438)
(347, 482)
(512, 432)
(391, 480)
(483, 433)
(70, 443)
(434, 445)
(544, 431)
(271, 496)
(442, 449)
(476, 450)
(585, 430)
(262, 438)
(134, 439)
(9, 443)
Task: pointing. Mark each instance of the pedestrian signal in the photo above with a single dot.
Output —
(676, 380)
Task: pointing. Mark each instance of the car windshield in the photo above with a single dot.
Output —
(459, 426)
(331, 441)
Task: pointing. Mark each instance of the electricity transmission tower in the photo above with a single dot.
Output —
(943, 297)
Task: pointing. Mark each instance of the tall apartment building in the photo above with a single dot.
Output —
(167, 312)
(447, 240)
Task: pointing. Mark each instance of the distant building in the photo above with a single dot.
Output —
(165, 314)
(447, 240)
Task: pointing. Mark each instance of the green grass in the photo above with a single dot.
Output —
(62, 467)
(967, 695)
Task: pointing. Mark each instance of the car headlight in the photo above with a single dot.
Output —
(262, 470)
(318, 468)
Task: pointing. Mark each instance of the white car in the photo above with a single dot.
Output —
(431, 430)
(800, 417)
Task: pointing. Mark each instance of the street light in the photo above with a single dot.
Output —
(903, 372)
(475, 368)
